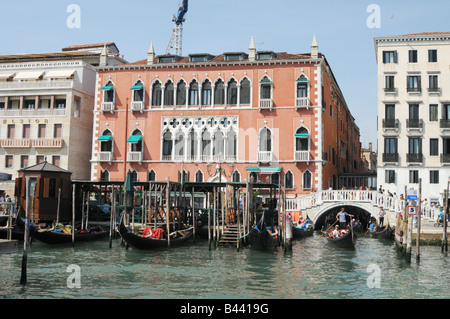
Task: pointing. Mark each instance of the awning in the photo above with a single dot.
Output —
(134, 139)
(59, 74)
(107, 88)
(137, 87)
(104, 138)
(6, 76)
(264, 170)
(302, 135)
(29, 75)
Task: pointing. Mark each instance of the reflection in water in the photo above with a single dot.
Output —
(313, 269)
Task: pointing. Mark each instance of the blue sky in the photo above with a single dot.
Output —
(215, 27)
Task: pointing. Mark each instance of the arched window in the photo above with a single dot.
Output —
(275, 178)
(168, 94)
(253, 177)
(206, 93)
(138, 91)
(184, 178)
(193, 144)
(179, 145)
(199, 176)
(236, 176)
(156, 94)
(181, 93)
(106, 141)
(108, 92)
(266, 88)
(218, 144)
(104, 176)
(167, 144)
(151, 176)
(245, 91)
(136, 141)
(206, 144)
(302, 139)
(232, 92)
(219, 93)
(289, 180)
(265, 140)
(307, 180)
(231, 146)
(302, 86)
(193, 93)
(134, 176)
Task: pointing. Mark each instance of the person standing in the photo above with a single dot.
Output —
(342, 216)
(382, 214)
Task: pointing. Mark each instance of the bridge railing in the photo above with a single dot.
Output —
(388, 203)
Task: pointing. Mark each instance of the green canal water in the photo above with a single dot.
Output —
(313, 269)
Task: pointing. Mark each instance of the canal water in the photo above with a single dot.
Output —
(313, 269)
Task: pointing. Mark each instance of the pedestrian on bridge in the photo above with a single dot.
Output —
(342, 216)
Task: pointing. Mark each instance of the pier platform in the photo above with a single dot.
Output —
(8, 246)
(430, 234)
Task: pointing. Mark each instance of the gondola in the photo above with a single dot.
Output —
(263, 239)
(181, 237)
(55, 237)
(302, 232)
(347, 240)
(386, 233)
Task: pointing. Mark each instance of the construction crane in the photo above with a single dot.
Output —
(176, 41)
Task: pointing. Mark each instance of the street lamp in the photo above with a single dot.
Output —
(219, 169)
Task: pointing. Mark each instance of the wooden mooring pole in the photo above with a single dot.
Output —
(419, 217)
(26, 244)
(444, 247)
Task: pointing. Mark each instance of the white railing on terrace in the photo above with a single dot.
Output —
(303, 102)
(264, 157)
(265, 104)
(137, 106)
(389, 203)
(302, 156)
(135, 156)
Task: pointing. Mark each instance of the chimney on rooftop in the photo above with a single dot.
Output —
(104, 57)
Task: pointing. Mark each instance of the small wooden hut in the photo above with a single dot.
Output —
(52, 188)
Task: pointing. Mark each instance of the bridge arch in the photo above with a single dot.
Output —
(361, 210)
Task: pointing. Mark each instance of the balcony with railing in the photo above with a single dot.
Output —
(107, 107)
(47, 143)
(414, 157)
(32, 112)
(137, 106)
(390, 157)
(414, 124)
(105, 156)
(16, 143)
(302, 156)
(445, 124)
(390, 124)
(43, 84)
(265, 156)
(445, 158)
(266, 104)
(303, 102)
(134, 157)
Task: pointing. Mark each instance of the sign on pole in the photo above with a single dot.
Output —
(411, 194)
(412, 210)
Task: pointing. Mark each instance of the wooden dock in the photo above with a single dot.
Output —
(8, 246)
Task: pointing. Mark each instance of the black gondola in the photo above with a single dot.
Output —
(386, 233)
(146, 243)
(54, 237)
(303, 231)
(263, 239)
(346, 240)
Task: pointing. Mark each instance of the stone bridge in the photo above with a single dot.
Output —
(320, 204)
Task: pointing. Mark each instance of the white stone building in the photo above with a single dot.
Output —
(414, 113)
(46, 107)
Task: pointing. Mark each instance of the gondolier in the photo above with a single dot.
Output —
(342, 216)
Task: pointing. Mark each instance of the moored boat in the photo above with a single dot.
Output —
(265, 239)
(302, 231)
(386, 233)
(153, 238)
(63, 234)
